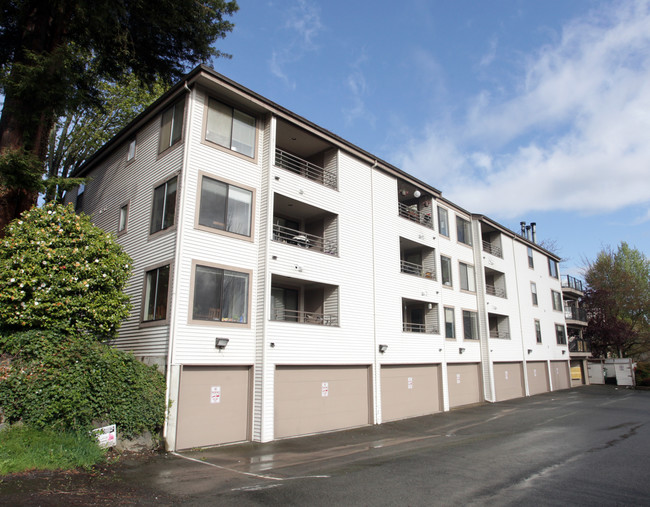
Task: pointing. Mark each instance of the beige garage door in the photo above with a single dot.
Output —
(409, 391)
(213, 405)
(311, 399)
(537, 377)
(508, 381)
(464, 384)
(560, 375)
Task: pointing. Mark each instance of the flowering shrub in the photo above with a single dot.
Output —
(57, 270)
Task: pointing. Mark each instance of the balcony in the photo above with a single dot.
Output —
(414, 204)
(419, 317)
(499, 326)
(574, 313)
(306, 155)
(298, 224)
(495, 283)
(569, 282)
(577, 344)
(417, 259)
(491, 240)
(304, 302)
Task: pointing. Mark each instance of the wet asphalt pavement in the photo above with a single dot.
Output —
(584, 446)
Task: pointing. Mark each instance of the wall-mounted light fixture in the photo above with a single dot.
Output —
(221, 343)
(461, 350)
(530, 351)
(417, 194)
(563, 352)
(383, 348)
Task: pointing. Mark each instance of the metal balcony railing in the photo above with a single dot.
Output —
(492, 249)
(323, 319)
(500, 334)
(304, 168)
(421, 217)
(569, 282)
(495, 291)
(573, 313)
(304, 240)
(410, 327)
(416, 269)
(579, 345)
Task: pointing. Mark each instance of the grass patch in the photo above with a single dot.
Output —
(24, 448)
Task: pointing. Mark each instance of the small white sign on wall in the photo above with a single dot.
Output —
(410, 382)
(506, 374)
(325, 389)
(458, 378)
(534, 372)
(215, 394)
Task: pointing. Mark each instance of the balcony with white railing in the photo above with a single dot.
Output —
(495, 283)
(411, 212)
(306, 155)
(414, 204)
(321, 319)
(411, 327)
(417, 259)
(491, 240)
(304, 302)
(419, 317)
(492, 249)
(499, 326)
(303, 239)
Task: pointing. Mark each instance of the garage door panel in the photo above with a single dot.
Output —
(315, 399)
(213, 406)
(560, 375)
(537, 377)
(409, 391)
(464, 384)
(508, 381)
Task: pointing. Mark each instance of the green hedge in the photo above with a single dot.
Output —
(56, 380)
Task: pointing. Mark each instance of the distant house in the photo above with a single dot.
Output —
(289, 282)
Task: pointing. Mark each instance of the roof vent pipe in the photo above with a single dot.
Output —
(533, 230)
(528, 232)
(523, 228)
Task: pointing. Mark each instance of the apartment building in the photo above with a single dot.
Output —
(289, 282)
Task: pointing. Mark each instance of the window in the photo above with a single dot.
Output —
(450, 327)
(80, 197)
(560, 334)
(171, 130)
(531, 263)
(230, 128)
(156, 293)
(130, 154)
(464, 231)
(164, 206)
(533, 291)
(470, 325)
(124, 215)
(467, 281)
(538, 331)
(557, 301)
(220, 295)
(225, 207)
(443, 221)
(552, 268)
(445, 267)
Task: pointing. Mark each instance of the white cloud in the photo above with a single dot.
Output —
(573, 136)
(300, 31)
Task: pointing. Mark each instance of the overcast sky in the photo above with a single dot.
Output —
(524, 110)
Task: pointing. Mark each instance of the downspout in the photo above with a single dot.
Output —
(375, 372)
(521, 326)
(176, 261)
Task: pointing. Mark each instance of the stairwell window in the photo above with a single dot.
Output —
(164, 206)
(552, 268)
(470, 325)
(531, 263)
(156, 294)
(533, 292)
(171, 130)
(450, 325)
(557, 301)
(538, 331)
(230, 128)
(225, 207)
(445, 269)
(464, 230)
(560, 334)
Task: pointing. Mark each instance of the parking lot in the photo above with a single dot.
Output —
(584, 446)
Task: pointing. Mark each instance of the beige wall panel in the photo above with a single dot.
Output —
(311, 399)
(508, 381)
(537, 377)
(463, 381)
(560, 375)
(213, 406)
(409, 391)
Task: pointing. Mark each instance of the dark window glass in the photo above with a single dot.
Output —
(225, 207)
(230, 128)
(171, 129)
(464, 231)
(164, 206)
(220, 295)
(156, 291)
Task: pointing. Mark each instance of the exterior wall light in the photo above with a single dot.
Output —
(383, 348)
(563, 352)
(530, 351)
(461, 350)
(221, 343)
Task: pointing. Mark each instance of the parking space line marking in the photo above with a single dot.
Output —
(267, 477)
